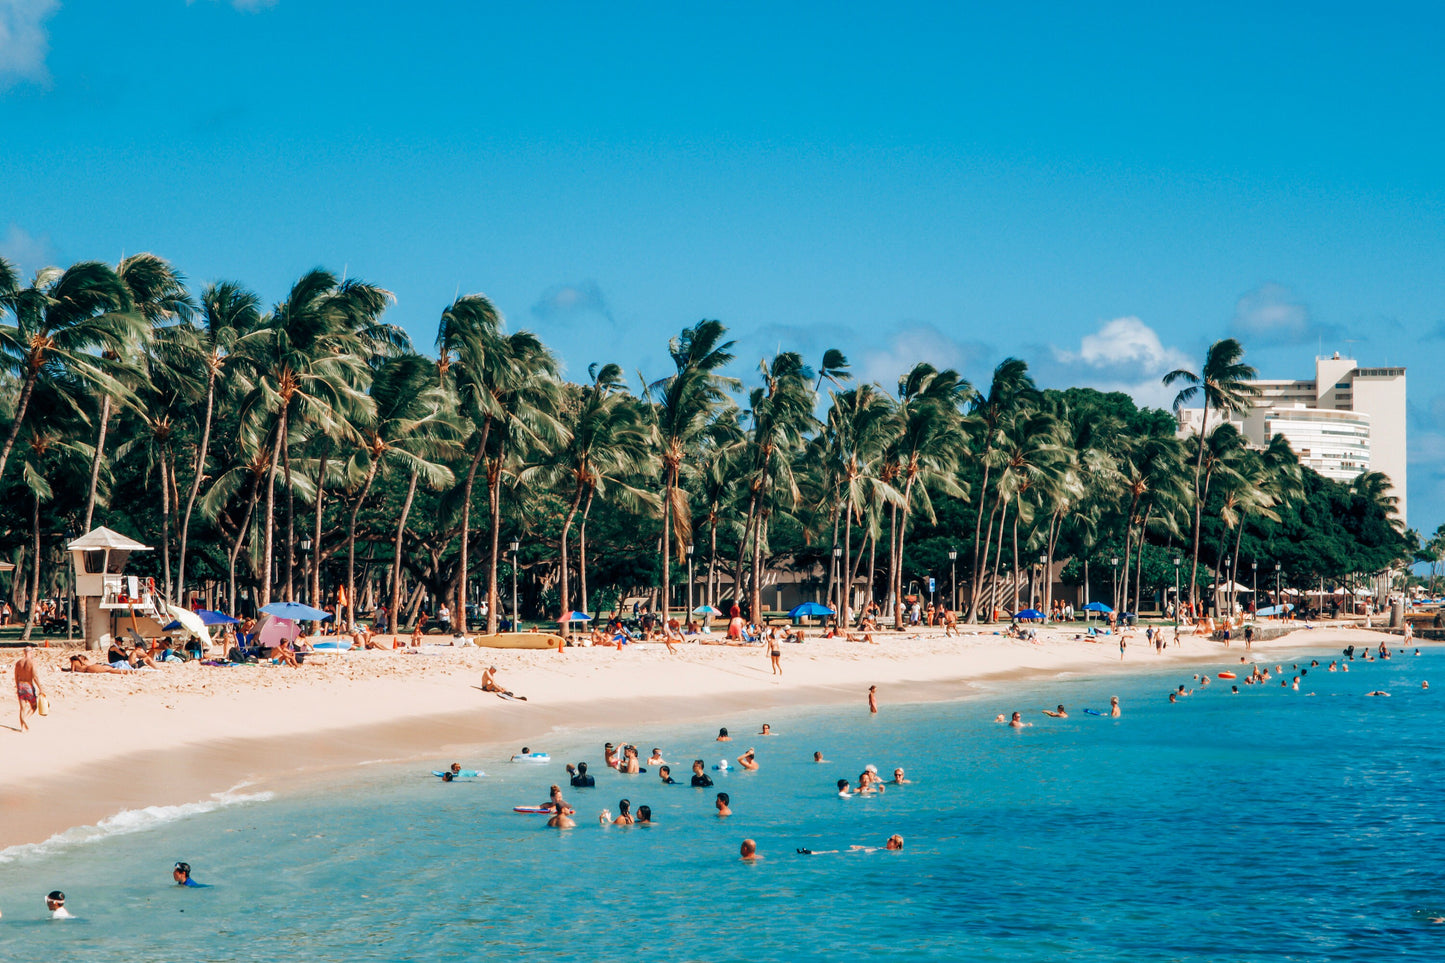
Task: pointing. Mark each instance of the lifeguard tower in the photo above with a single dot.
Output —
(110, 600)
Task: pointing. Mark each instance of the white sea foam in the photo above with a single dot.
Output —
(131, 821)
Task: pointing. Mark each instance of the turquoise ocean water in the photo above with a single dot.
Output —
(1271, 825)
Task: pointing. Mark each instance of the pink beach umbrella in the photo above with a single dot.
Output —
(274, 631)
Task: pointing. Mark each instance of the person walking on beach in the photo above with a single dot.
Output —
(1123, 643)
(873, 699)
(27, 686)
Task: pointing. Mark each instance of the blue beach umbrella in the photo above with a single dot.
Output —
(706, 610)
(577, 617)
(1029, 614)
(296, 612)
(1097, 607)
(808, 609)
(215, 618)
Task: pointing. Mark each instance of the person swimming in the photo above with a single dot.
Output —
(898, 778)
(843, 789)
(182, 875)
(818, 757)
(722, 736)
(748, 851)
(1058, 714)
(1017, 722)
(723, 802)
(664, 773)
(55, 903)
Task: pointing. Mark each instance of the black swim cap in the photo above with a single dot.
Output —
(56, 896)
(183, 868)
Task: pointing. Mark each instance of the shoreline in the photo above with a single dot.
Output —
(174, 737)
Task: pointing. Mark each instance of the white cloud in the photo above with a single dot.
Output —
(24, 41)
(911, 343)
(1272, 314)
(24, 250)
(572, 303)
(1124, 354)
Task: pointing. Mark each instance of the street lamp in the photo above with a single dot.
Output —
(515, 546)
(838, 576)
(689, 582)
(1177, 560)
(1043, 561)
(1254, 578)
(306, 550)
(953, 579)
(1278, 597)
(1115, 563)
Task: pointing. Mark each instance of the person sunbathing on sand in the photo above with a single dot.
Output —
(489, 684)
(79, 663)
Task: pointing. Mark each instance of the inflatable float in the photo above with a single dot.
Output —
(464, 774)
(1228, 675)
(531, 757)
(533, 810)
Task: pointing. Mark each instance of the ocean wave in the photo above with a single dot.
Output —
(131, 821)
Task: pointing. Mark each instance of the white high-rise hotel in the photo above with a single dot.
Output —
(1346, 421)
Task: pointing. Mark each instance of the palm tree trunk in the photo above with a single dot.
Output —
(32, 372)
(833, 562)
(980, 550)
(997, 558)
(712, 562)
(314, 565)
(987, 543)
(165, 529)
(291, 528)
(269, 541)
(872, 564)
(846, 608)
(200, 470)
(566, 530)
(30, 610)
(1198, 509)
(582, 546)
(1139, 561)
(351, 536)
(241, 537)
(494, 499)
(95, 462)
(906, 512)
(755, 597)
(667, 537)
(395, 613)
(743, 550)
(1016, 561)
(461, 597)
(895, 582)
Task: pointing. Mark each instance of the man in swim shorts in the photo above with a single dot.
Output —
(27, 686)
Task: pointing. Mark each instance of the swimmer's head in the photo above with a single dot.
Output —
(895, 841)
(748, 849)
(182, 872)
(581, 768)
(723, 799)
(456, 767)
(664, 771)
(1061, 708)
(842, 785)
(447, 777)
(644, 813)
(525, 750)
(817, 757)
(624, 806)
(55, 899)
(722, 732)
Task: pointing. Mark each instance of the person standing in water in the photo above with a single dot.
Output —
(873, 699)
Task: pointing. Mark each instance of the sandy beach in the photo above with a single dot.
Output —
(185, 732)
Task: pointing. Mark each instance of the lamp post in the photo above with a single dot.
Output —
(1254, 578)
(689, 582)
(1043, 561)
(1177, 560)
(1278, 597)
(306, 551)
(953, 578)
(1115, 563)
(514, 547)
(838, 568)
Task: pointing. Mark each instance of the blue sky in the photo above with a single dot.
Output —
(1101, 192)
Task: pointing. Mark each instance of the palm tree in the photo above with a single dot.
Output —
(468, 346)
(158, 294)
(412, 431)
(1010, 387)
(1223, 384)
(925, 452)
(781, 412)
(860, 426)
(525, 397)
(62, 320)
(683, 405)
(228, 311)
(609, 443)
(309, 366)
